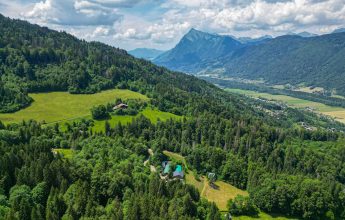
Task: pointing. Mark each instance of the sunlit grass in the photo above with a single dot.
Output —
(66, 153)
(62, 106)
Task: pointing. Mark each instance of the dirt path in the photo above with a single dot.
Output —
(150, 151)
(152, 168)
(204, 188)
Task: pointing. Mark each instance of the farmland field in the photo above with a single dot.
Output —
(62, 106)
(337, 113)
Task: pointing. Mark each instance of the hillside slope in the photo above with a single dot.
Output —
(37, 59)
(314, 61)
(252, 144)
(296, 59)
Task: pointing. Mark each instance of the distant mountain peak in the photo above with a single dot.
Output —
(197, 46)
(194, 34)
(339, 30)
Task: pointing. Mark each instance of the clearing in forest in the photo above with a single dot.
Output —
(220, 194)
(60, 106)
(153, 114)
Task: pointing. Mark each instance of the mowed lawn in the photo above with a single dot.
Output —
(62, 106)
(336, 112)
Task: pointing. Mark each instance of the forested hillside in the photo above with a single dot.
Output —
(285, 168)
(314, 61)
(36, 59)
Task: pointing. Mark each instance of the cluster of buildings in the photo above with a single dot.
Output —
(177, 174)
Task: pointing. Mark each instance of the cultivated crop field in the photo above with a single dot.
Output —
(336, 112)
(63, 106)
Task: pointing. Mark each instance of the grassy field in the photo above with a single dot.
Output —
(263, 216)
(62, 106)
(176, 157)
(336, 112)
(153, 114)
(67, 153)
(220, 195)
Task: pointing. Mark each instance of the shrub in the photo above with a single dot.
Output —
(242, 205)
(99, 112)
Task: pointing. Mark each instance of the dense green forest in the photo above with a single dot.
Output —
(36, 59)
(313, 61)
(285, 168)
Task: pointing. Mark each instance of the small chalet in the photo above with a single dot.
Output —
(166, 166)
(120, 106)
(178, 173)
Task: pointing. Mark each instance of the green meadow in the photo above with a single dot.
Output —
(153, 114)
(221, 194)
(263, 216)
(337, 113)
(66, 153)
(63, 106)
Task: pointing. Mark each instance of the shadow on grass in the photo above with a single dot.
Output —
(214, 186)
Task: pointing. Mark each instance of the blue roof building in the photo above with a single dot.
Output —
(178, 173)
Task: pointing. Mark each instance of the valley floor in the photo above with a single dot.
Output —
(337, 113)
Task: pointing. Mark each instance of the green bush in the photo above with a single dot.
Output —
(99, 112)
(242, 205)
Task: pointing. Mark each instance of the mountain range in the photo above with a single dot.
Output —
(196, 48)
(145, 53)
(267, 154)
(309, 60)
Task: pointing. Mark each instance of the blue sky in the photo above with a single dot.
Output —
(160, 24)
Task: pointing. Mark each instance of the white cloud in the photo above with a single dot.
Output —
(268, 17)
(161, 23)
(74, 13)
